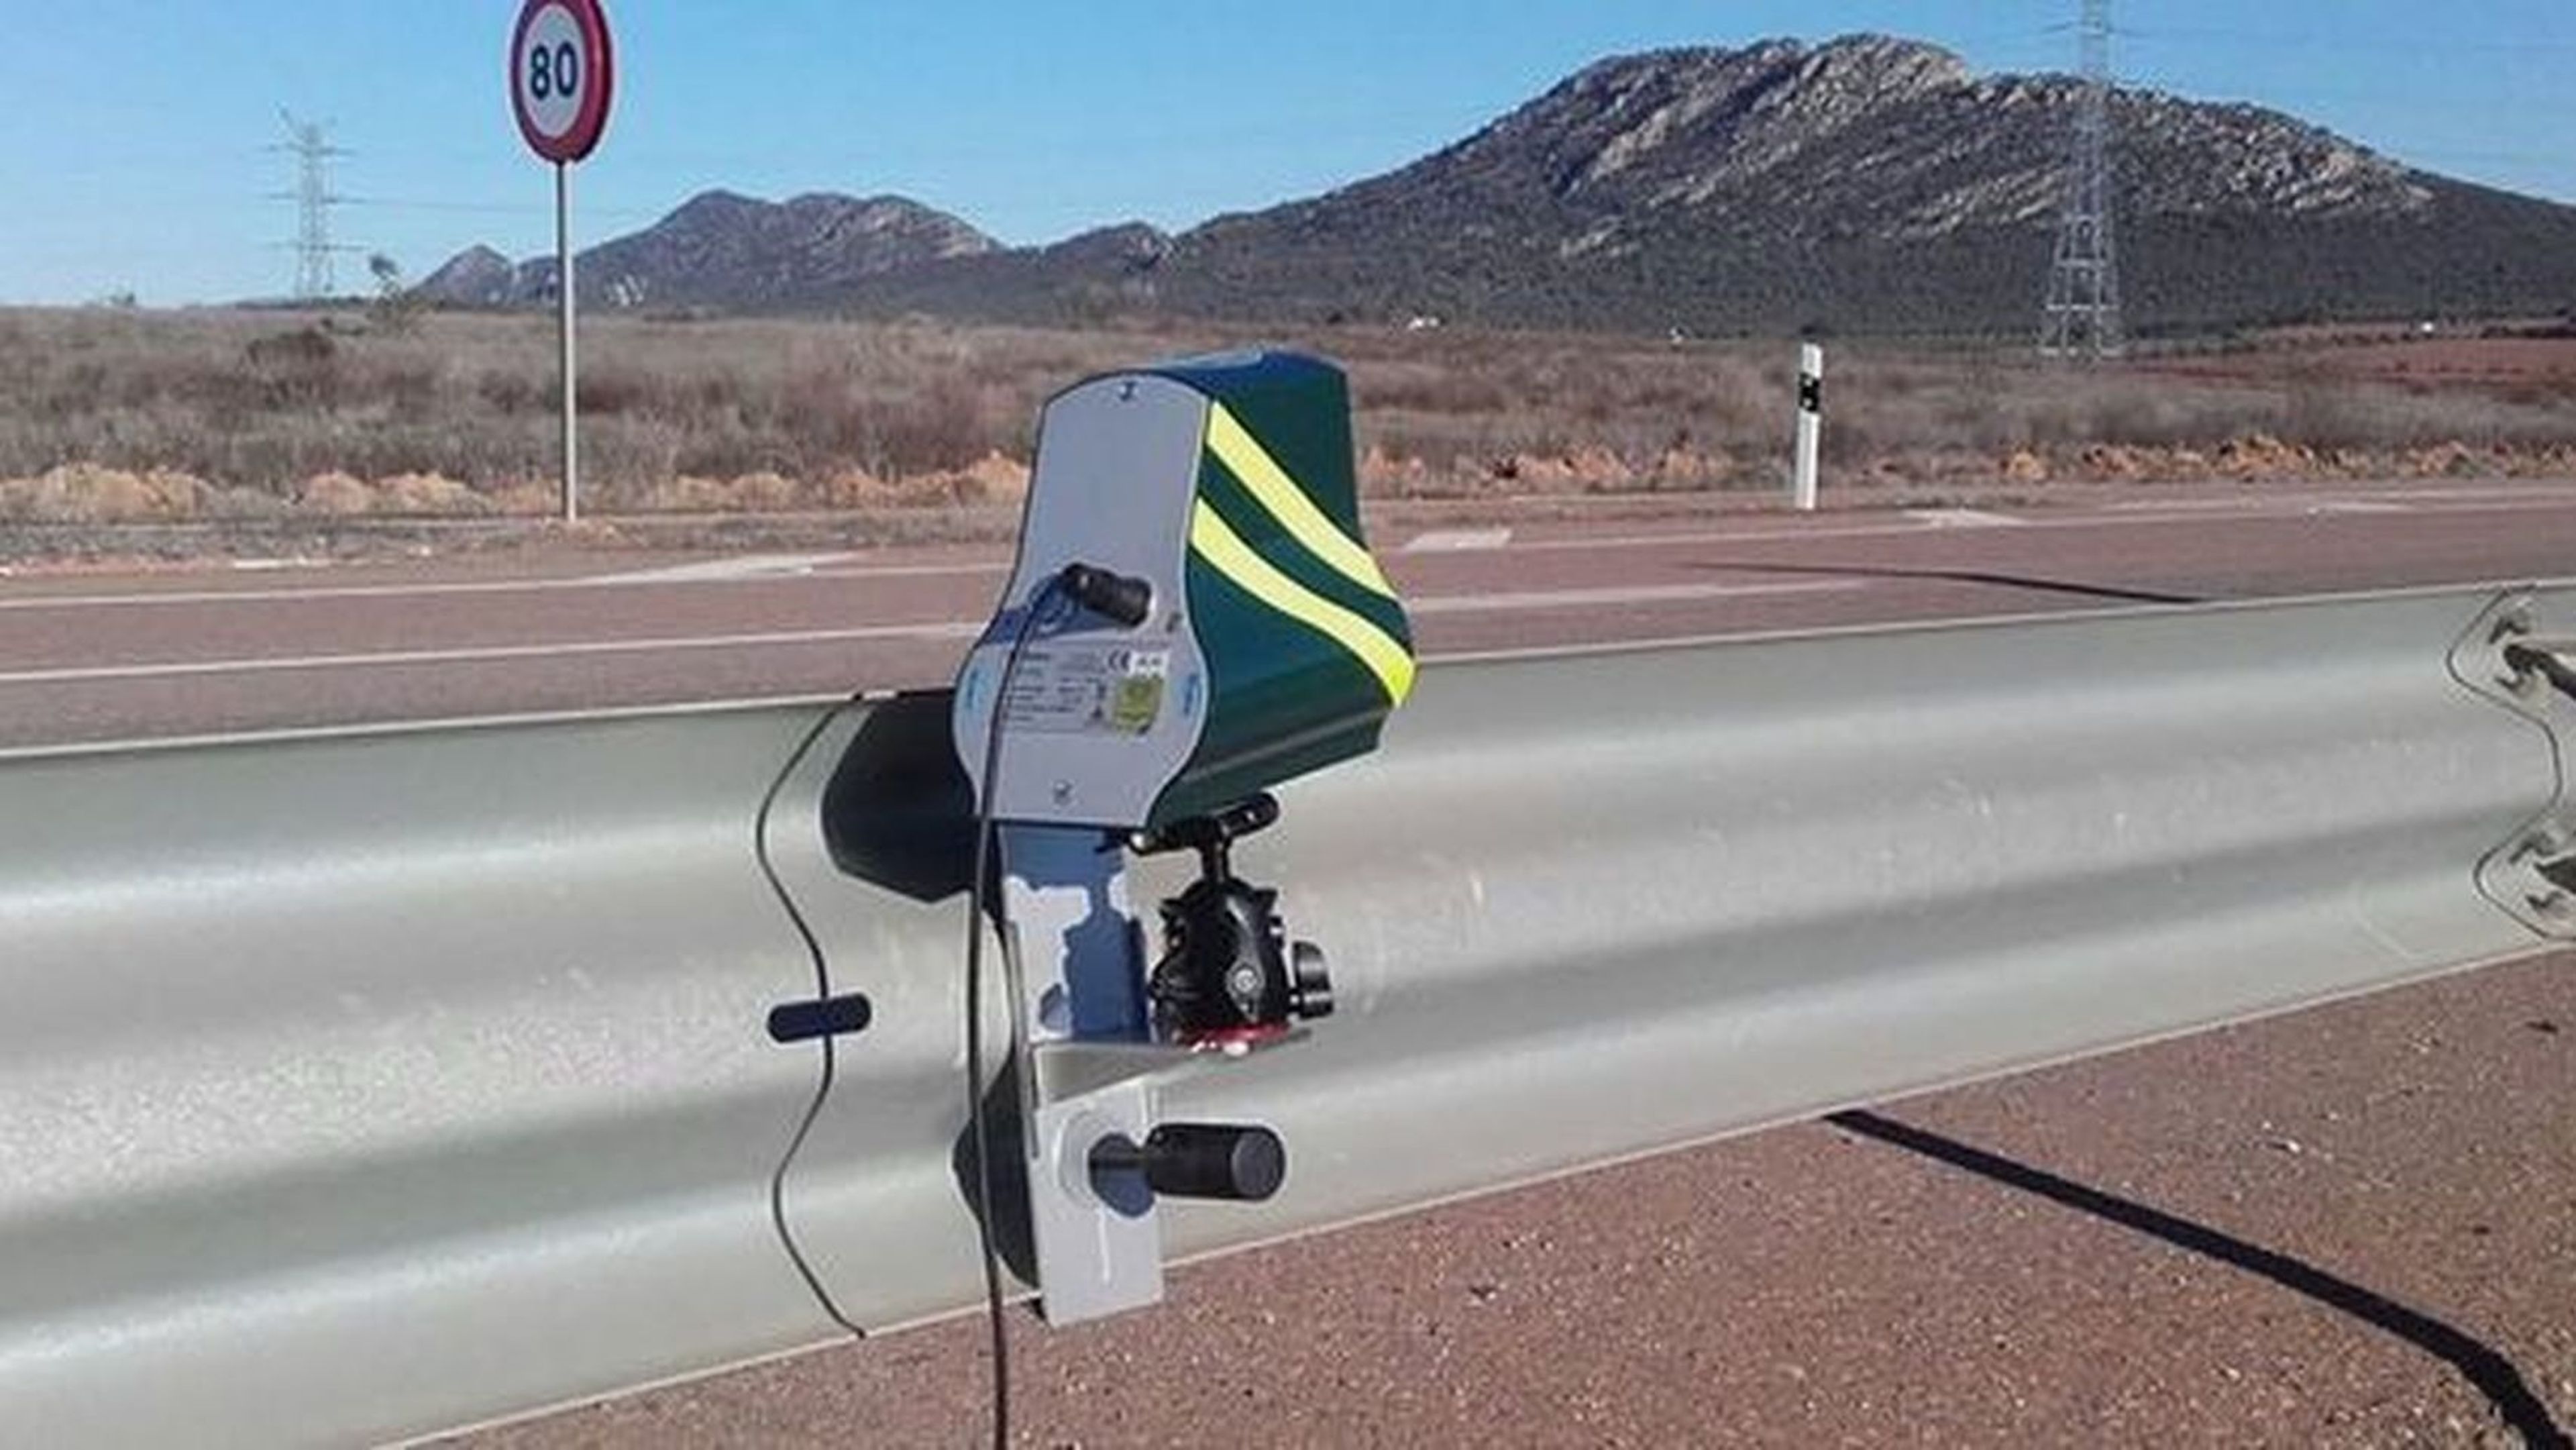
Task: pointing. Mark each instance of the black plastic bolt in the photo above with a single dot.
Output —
(1241, 1162)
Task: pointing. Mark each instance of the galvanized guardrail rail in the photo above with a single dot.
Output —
(364, 1084)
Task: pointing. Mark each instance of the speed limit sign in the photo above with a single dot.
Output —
(560, 76)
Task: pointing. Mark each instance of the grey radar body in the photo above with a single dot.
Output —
(1192, 620)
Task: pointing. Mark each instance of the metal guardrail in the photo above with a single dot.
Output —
(364, 1084)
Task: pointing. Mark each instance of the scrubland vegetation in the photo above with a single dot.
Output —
(111, 416)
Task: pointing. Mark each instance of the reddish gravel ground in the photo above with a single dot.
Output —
(2368, 1238)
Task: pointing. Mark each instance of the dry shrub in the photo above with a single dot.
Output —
(768, 492)
(997, 478)
(943, 427)
(430, 494)
(689, 494)
(757, 492)
(337, 495)
(1383, 473)
(526, 498)
(1691, 468)
(271, 412)
(2262, 456)
(299, 368)
(84, 493)
(852, 487)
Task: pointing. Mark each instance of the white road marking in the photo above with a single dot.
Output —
(959, 569)
(2359, 506)
(927, 630)
(2417, 500)
(748, 566)
(1964, 519)
(1457, 541)
(478, 654)
(432, 589)
(1616, 595)
(2193, 505)
(2135, 513)
(295, 596)
(2536, 492)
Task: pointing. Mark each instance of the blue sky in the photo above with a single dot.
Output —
(132, 153)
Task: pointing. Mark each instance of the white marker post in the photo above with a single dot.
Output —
(1811, 425)
(561, 73)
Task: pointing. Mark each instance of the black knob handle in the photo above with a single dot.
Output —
(1120, 597)
(1240, 1162)
(1310, 981)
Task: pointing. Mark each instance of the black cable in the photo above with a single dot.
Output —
(979, 1116)
(822, 990)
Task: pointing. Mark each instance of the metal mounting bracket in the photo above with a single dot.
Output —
(2526, 663)
(1089, 1067)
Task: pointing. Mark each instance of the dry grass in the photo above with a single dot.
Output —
(112, 416)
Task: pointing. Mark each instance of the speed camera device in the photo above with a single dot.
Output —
(1193, 619)
(1207, 622)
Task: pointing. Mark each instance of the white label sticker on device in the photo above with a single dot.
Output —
(1088, 689)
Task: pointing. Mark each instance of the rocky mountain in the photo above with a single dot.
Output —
(726, 252)
(1877, 185)
(1866, 184)
(475, 277)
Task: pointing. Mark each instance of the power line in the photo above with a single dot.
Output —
(2081, 314)
(311, 147)
(2194, 36)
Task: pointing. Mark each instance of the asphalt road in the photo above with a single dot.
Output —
(99, 656)
(2350, 1226)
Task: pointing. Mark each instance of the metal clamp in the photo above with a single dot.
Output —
(2510, 658)
(1098, 1155)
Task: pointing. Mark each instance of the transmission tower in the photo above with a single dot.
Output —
(311, 147)
(2081, 317)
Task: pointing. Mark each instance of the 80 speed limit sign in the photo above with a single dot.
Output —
(560, 76)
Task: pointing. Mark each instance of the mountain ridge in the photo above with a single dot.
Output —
(1867, 183)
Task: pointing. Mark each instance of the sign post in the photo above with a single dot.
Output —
(561, 74)
(1811, 421)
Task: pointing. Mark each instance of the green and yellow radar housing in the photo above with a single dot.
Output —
(1272, 645)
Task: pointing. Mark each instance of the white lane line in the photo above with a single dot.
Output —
(1964, 519)
(748, 566)
(485, 653)
(2418, 500)
(2526, 495)
(2358, 506)
(931, 630)
(272, 596)
(1458, 541)
(574, 583)
(2193, 505)
(1617, 595)
(2132, 514)
(961, 568)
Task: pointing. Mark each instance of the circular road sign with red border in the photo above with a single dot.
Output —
(560, 75)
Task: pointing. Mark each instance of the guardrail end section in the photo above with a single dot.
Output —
(2521, 654)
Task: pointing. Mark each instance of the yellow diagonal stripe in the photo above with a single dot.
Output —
(1212, 539)
(1236, 448)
